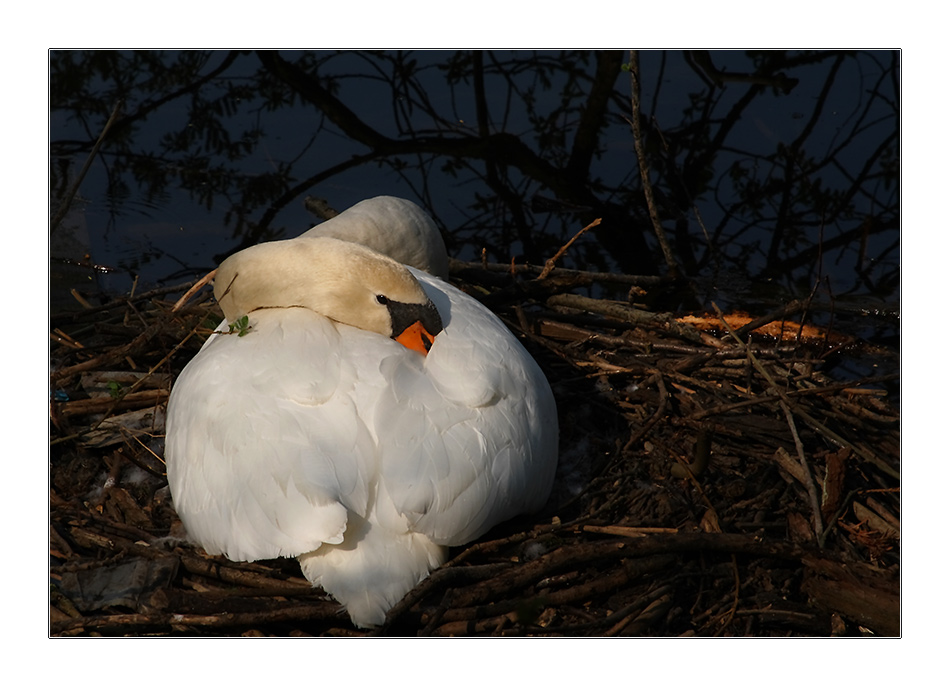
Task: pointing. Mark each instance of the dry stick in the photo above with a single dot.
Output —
(815, 391)
(641, 158)
(648, 425)
(630, 315)
(587, 276)
(443, 574)
(129, 400)
(731, 613)
(161, 362)
(141, 464)
(679, 177)
(193, 290)
(600, 552)
(79, 299)
(457, 620)
(831, 435)
(791, 308)
(549, 265)
(634, 439)
(319, 207)
(71, 193)
(618, 618)
(238, 574)
(135, 386)
(119, 302)
(107, 357)
(623, 531)
(62, 337)
(625, 616)
(786, 404)
(810, 482)
(189, 622)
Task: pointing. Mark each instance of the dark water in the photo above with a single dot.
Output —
(776, 175)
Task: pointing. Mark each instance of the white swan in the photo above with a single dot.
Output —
(316, 435)
(392, 226)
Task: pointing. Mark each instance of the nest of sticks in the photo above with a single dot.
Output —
(713, 480)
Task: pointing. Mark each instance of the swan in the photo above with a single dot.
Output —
(367, 415)
(392, 226)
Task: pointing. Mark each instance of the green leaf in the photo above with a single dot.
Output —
(239, 326)
(115, 390)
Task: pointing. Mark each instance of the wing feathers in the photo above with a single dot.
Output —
(470, 442)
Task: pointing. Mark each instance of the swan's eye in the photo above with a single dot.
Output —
(382, 300)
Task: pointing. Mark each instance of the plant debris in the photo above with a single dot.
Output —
(713, 481)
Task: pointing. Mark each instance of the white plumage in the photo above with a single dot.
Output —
(339, 446)
(392, 226)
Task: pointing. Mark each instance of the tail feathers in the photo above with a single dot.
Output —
(372, 569)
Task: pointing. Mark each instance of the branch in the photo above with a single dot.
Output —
(501, 147)
(644, 167)
(593, 116)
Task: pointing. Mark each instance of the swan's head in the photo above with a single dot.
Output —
(343, 281)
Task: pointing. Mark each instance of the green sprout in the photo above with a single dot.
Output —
(115, 390)
(240, 326)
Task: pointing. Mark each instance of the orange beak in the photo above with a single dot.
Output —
(416, 338)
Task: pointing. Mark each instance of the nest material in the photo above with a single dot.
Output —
(710, 483)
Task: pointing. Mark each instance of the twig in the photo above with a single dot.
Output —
(809, 479)
(62, 337)
(549, 265)
(814, 391)
(129, 400)
(151, 331)
(644, 166)
(622, 531)
(458, 266)
(626, 313)
(660, 412)
(815, 424)
(71, 193)
(60, 318)
(319, 207)
(79, 299)
(198, 285)
(110, 356)
(141, 622)
(791, 308)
